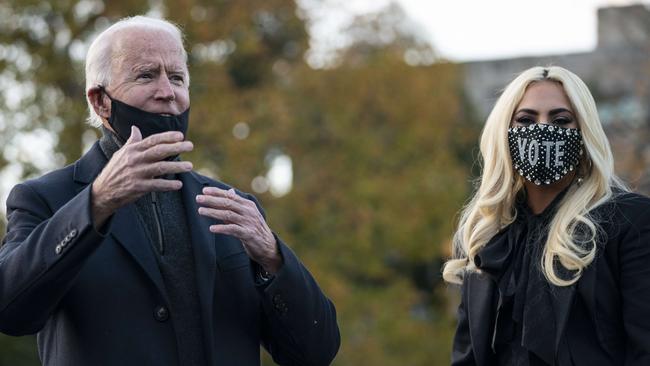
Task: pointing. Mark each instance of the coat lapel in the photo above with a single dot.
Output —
(562, 299)
(203, 242)
(124, 227)
(481, 312)
(481, 291)
(205, 257)
(88, 167)
(126, 230)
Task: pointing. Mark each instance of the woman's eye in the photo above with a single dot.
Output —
(562, 121)
(524, 120)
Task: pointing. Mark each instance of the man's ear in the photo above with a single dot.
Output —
(101, 104)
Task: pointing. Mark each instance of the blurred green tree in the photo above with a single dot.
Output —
(380, 151)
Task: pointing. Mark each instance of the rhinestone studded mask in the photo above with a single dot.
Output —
(543, 153)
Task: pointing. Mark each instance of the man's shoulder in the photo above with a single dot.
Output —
(81, 172)
(52, 189)
(54, 179)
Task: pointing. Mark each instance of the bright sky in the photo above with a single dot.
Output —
(467, 30)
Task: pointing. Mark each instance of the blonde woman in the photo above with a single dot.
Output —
(553, 253)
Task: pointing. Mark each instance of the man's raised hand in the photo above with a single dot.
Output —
(137, 169)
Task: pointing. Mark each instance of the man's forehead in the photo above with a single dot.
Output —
(135, 48)
(135, 62)
(142, 64)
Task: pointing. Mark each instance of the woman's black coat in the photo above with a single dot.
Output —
(603, 319)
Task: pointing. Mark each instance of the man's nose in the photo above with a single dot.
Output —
(164, 89)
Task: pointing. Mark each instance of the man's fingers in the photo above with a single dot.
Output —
(166, 167)
(221, 203)
(229, 229)
(223, 215)
(161, 138)
(163, 185)
(229, 194)
(164, 150)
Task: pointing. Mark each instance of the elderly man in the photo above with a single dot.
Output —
(128, 257)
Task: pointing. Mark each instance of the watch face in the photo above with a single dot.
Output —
(263, 276)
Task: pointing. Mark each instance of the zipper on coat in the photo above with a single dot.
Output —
(156, 218)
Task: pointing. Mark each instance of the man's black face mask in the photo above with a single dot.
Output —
(123, 116)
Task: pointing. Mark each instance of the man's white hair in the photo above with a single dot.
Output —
(100, 54)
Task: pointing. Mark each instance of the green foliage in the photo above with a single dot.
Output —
(376, 187)
(380, 151)
(18, 351)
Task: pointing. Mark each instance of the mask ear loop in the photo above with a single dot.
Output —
(585, 170)
(103, 90)
(119, 137)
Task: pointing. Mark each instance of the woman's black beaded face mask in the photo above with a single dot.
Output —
(544, 154)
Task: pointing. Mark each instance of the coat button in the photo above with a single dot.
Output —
(58, 249)
(161, 313)
(279, 303)
(277, 300)
(73, 233)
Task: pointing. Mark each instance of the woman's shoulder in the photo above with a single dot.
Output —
(629, 202)
(624, 210)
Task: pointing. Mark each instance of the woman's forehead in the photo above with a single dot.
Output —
(544, 95)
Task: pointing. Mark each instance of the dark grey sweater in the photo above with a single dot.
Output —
(162, 214)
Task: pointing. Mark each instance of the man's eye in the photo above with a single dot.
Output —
(178, 79)
(145, 75)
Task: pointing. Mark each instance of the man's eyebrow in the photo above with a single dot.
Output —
(145, 67)
(173, 70)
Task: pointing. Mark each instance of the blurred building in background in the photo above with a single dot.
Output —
(617, 73)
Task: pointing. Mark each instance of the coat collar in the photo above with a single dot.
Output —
(90, 165)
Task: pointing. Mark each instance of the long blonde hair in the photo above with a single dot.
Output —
(493, 205)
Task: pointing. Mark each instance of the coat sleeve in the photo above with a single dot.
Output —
(299, 321)
(462, 352)
(634, 254)
(42, 252)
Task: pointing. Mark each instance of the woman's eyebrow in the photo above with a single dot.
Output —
(527, 110)
(559, 110)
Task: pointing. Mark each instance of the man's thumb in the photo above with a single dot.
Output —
(135, 135)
